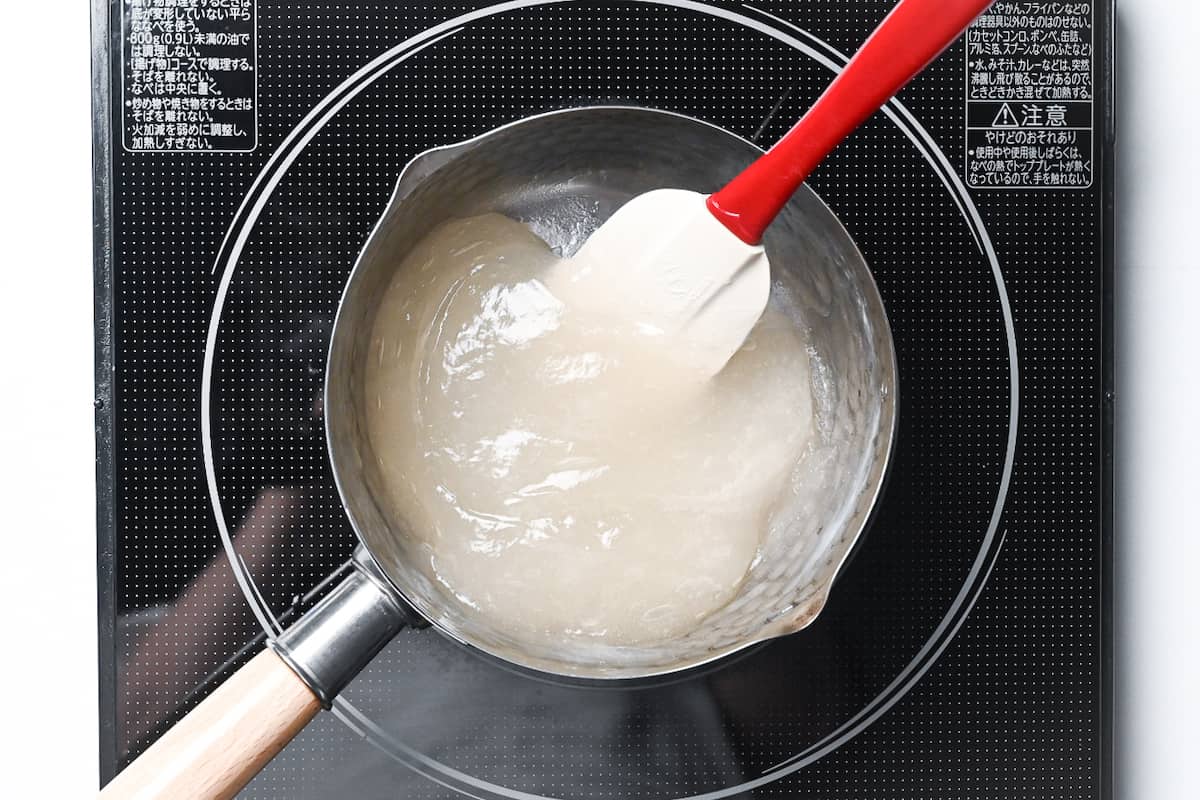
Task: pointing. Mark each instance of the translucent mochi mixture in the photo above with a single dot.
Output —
(564, 476)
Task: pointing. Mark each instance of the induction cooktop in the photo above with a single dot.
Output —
(245, 149)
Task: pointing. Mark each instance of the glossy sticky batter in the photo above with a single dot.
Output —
(566, 478)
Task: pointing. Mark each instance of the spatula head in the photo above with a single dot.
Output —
(666, 263)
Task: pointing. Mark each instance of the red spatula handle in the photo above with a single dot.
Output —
(911, 36)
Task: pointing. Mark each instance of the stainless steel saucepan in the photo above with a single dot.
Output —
(561, 173)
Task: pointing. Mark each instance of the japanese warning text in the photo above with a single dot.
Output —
(1029, 96)
(188, 76)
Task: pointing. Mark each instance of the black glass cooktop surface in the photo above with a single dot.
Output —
(245, 150)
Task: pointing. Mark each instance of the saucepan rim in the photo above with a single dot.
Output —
(869, 496)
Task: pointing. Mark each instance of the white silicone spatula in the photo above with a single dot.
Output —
(691, 266)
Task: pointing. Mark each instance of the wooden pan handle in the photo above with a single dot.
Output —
(222, 743)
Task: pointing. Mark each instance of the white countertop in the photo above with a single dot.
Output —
(1158, 394)
(47, 575)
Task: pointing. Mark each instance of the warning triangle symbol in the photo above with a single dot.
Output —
(1005, 118)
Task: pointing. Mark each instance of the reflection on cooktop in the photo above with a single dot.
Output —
(963, 651)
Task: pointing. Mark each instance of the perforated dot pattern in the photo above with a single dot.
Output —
(1013, 708)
